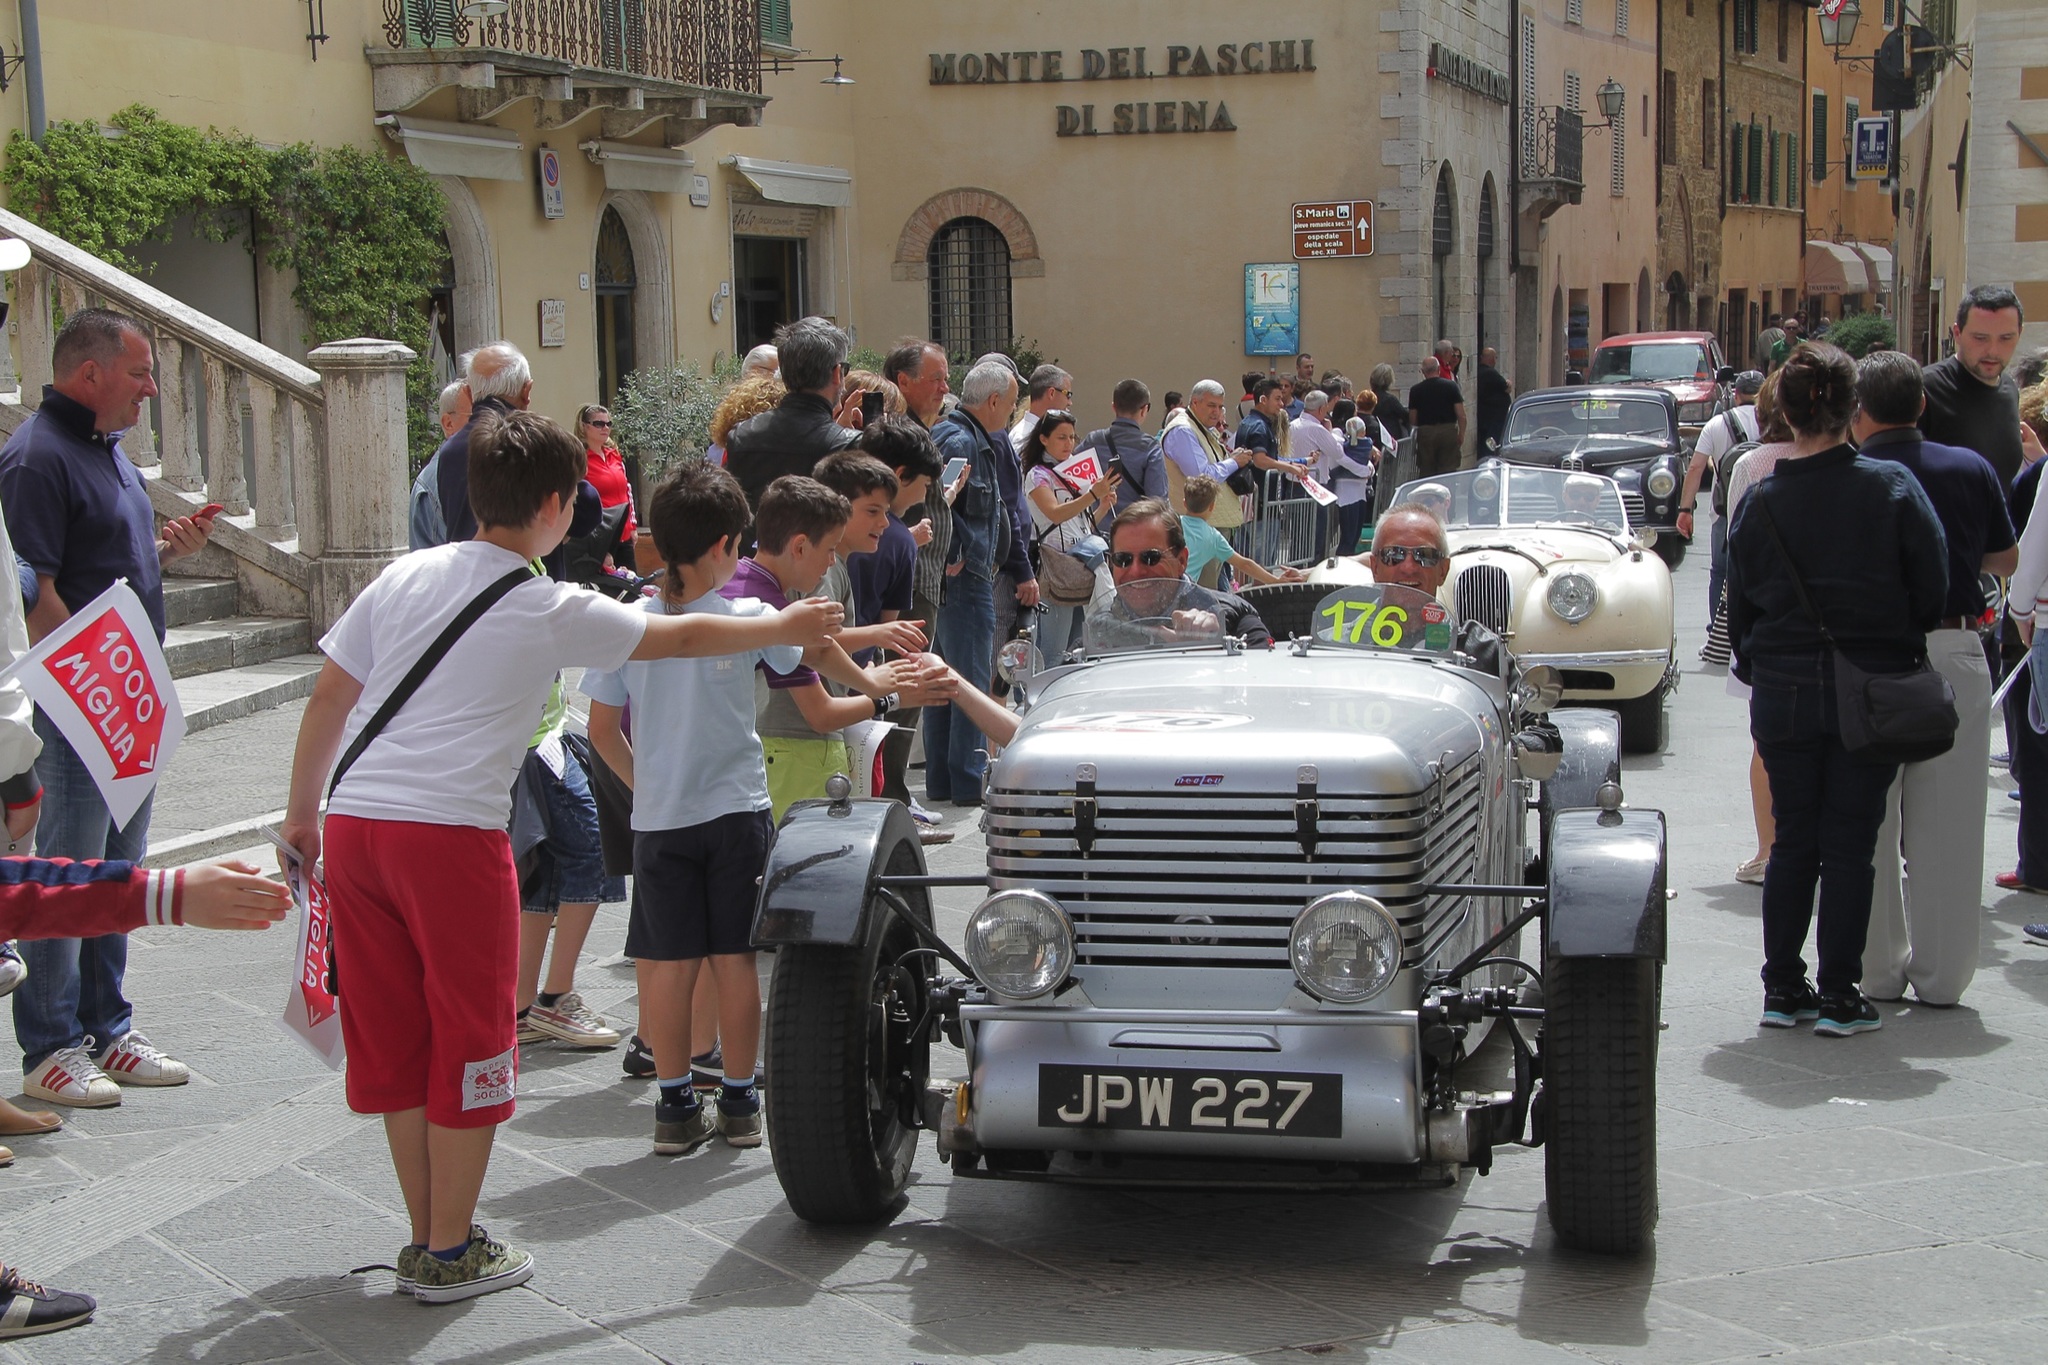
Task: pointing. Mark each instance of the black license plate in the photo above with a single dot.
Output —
(1185, 1100)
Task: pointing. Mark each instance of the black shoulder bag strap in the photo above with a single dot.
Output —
(424, 665)
(1798, 583)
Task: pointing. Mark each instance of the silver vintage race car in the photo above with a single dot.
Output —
(1249, 911)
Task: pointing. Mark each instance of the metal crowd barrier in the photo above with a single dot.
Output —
(1289, 527)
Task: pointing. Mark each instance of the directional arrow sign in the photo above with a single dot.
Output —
(1338, 228)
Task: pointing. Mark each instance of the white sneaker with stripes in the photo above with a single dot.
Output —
(69, 1076)
(134, 1061)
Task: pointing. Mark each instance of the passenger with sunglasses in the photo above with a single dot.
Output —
(1409, 547)
(1145, 542)
(607, 469)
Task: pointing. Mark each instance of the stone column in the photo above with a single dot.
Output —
(361, 468)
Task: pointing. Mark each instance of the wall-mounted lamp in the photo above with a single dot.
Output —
(484, 9)
(1611, 97)
(779, 66)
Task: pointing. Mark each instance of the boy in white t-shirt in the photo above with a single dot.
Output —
(420, 872)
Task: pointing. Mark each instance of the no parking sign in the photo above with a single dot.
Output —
(551, 184)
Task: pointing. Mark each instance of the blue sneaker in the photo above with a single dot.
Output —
(1789, 1009)
(1842, 1015)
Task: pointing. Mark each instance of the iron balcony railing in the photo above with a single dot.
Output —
(1556, 143)
(715, 44)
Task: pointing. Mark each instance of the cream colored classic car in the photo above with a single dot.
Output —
(1547, 558)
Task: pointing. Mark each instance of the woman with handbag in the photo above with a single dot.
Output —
(1836, 572)
(1062, 514)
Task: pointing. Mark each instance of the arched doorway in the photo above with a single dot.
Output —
(616, 278)
(473, 291)
(1485, 290)
(1557, 338)
(967, 279)
(1677, 303)
(1443, 244)
(1644, 311)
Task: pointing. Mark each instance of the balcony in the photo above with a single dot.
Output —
(691, 64)
(1554, 158)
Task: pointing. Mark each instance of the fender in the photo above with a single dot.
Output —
(1606, 884)
(821, 864)
(1592, 758)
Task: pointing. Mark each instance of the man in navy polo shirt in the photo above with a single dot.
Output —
(80, 518)
(1924, 924)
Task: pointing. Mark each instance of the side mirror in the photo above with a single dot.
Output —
(1726, 375)
(1019, 662)
(1539, 751)
(1539, 689)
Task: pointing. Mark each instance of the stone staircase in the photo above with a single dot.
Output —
(228, 665)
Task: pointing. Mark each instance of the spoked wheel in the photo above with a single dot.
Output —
(1600, 1101)
(849, 1077)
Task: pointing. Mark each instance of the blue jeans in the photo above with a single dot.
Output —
(1351, 525)
(1056, 630)
(966, 639)
(74, 985)
(1829, 804)
(2030, 766)
(570, 866)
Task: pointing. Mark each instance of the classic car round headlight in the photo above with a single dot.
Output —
(1485, 486)
(1661, 482)
(1020, 943)
(1572, 597)
(1345, 948)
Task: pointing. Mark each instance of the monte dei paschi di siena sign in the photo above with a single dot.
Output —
(1288, 56)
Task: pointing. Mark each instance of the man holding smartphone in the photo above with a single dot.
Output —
(80, 518)
(796, 433)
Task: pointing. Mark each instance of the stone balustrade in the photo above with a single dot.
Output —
(308, 470)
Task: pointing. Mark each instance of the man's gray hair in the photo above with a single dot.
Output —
(810, 349)
(1413, 509)
(1045, 379)
(1444, 349)
(1207, 388)
(451, 397)
(762, 360)
(987, 379)
(498, 370)
(1889, 388)
(1315, 401)
(96, 334)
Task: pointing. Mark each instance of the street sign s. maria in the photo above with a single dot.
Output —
(1337, 228)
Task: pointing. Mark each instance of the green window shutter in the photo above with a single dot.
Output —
(1820, 139)
(775, 22)
(1735, 181)
(1771, 189)
(1756, 163)
(1791, 170)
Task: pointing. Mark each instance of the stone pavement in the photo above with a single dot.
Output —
(1881, 1198)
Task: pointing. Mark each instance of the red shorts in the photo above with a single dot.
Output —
(426, 950)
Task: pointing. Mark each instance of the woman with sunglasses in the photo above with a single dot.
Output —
(606, 468)
(1062, 513)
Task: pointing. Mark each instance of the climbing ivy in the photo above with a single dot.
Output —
(362, 231)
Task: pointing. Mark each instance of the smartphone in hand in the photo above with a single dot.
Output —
(872, 404)
(953, 468)
(210, 511)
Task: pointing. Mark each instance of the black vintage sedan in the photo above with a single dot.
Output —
(1630, 434)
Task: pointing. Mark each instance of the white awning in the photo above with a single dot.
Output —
(466, 149)
(1832, 268)
(791, 182)
(629, 167)
(1880, 260)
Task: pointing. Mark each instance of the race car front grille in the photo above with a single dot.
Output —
(1632, 503)
(1484, 595)
(1214, 880)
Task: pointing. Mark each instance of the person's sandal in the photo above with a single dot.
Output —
(18, 1122)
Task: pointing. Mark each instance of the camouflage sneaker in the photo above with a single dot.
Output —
(485, 1266)
(409, 1268)
(740, 1130)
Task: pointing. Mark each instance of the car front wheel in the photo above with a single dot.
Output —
(1642, 723)
(1599, 1104)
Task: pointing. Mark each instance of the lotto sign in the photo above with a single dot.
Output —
(102, 678)
(1873, 158)
(1082, 470)
(1343, 228)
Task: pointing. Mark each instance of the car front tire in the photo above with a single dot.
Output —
(1600, 1101)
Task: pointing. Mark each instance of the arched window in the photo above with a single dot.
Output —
(1443, 239)
(968, 275)
(616, 280)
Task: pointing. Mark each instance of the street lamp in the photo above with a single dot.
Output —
(484, 9)
(774, 65)
(1839, 30)
(1611, 97)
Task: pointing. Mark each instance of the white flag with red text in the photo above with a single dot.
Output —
(102, 678)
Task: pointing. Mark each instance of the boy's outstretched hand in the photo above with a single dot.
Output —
(904, 637)
(811, 622)
(232, 896)
(921, 680)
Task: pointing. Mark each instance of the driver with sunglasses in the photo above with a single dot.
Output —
(1145, 542)
(1409, 547)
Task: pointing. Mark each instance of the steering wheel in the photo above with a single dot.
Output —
(1549, 434)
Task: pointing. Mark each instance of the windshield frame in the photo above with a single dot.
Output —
(1535, 481)
(1574, 408)
(1701, 371)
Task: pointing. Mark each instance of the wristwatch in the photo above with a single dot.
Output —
(886, 703)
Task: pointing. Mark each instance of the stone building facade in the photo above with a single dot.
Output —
(1690, 150)
(1765, 112)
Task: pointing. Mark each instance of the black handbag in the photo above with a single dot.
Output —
(1905, 717)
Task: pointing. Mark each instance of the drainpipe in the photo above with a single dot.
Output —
(32, 68)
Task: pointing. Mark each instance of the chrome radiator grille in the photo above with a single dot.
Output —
(1632, 503)
(1213, 880)
(1483, 595)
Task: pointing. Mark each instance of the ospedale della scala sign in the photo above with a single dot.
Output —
(1275, 57)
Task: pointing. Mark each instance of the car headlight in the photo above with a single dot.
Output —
(1573, 596)
(1695, 413)
(1346, 948)
(1020, 944)
(1485, 485)
(1661, 482)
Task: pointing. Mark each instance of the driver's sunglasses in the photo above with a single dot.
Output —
(1123, 559)
(1425, 556)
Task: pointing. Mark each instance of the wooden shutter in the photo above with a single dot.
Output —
(775, 26)
(1756, 163)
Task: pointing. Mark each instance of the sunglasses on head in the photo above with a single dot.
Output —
(1425, 556)
(1123, 559)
